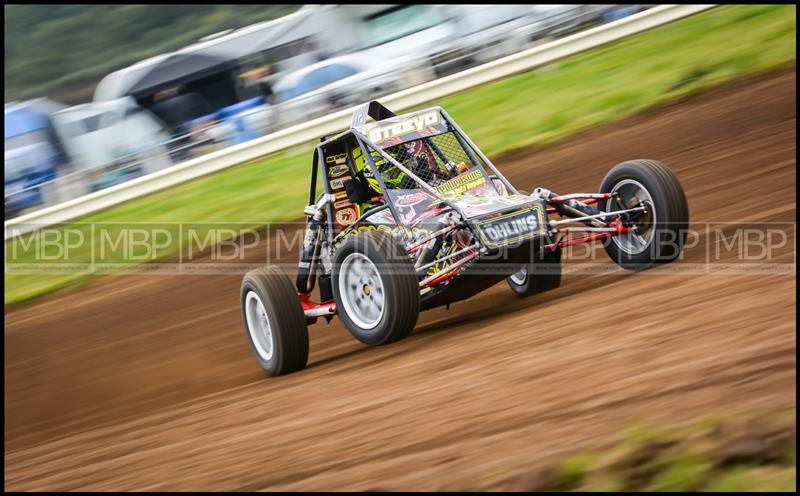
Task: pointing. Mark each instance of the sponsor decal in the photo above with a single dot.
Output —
(407, 217)
(411, 199)
(338, 170)
(336, 159)
(463, 183)
(341, 195)
(396, 231)
(416, 123)
(430, 212)
(339, 183)
(346, 216)
(508, 228)
(343, 203)
(382, 217)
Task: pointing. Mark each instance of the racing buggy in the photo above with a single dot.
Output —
(411, 215)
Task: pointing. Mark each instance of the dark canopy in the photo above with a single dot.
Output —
(181, 109)
(177, 69)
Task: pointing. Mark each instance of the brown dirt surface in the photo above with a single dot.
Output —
(146, 382)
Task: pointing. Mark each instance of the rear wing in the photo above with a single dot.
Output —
(372, 109)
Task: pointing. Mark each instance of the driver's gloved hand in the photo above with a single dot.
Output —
(423, 170)
(357, 191)
(451, 168)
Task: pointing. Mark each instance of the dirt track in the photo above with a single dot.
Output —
(147, 383)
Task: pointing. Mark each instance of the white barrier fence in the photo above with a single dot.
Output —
(309, 131)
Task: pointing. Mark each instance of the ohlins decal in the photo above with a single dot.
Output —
(416, 123)
(511, 227)
(463, 183)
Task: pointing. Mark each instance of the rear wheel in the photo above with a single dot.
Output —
(274, 321)
(376, 288)
(658, 235)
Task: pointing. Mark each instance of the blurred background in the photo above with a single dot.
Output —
(125, 371)
(148, 87)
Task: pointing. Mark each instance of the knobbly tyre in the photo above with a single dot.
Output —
(409, 214)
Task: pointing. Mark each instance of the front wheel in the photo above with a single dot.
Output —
(274, 321)
(376, 288)
(541, 274)
(658, 235)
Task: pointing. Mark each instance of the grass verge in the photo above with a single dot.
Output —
(732, 455)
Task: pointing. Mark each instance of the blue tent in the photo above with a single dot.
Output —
(29, 116)
(22, 120)
(31, 161)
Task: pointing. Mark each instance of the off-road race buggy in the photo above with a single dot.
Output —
(412, 216)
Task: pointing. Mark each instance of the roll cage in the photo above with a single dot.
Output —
(377, 139)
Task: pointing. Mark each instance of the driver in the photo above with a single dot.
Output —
(364, 189)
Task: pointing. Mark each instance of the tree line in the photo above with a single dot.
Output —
(62, 51)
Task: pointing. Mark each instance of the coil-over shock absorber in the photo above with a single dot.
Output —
(572, 208)
(312, 242)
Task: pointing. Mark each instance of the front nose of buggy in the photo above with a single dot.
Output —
(510, 228)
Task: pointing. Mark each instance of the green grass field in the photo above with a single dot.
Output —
(534, 108)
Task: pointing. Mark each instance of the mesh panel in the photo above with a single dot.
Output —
(434, 159)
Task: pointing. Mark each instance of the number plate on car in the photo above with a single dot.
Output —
(512, 227)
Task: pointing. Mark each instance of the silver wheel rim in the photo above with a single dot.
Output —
(258, 325)
(638, 240)
(519, 278)
(361, 291)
